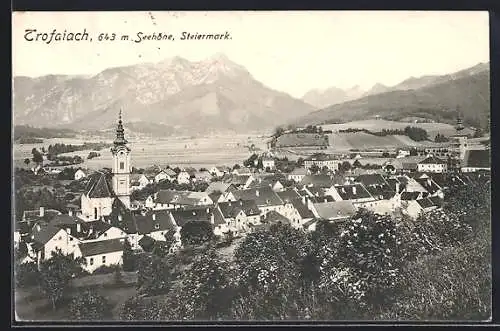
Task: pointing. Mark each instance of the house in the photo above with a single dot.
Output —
(219, 187)
(414, 208)
(181, 217)
(297, 174)
(138, 181)
(100, 230)
(239, 181)
(476, 160)
(303, 211)
(155, 224)
(101, 253)
(323, 181)
(273, 217)
(41, 214)
(430, 186)
(322, 160)
(354, 192)
(239, 215)
(202, 176)
(432, 164)
(268, 163)
(402, 153)
(377, 186)
(275, 184)
(241, 171)
(408, 167)
(171, 199)
(333, 211)
(163, 175)
(219, 171)
(79, 174)
(184, 177)
(46, 239)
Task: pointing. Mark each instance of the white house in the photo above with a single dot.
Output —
(139, 181)
(268, 163)
(297, 174)
(97, 200)
(46, 239)
(170, 199)
(79, 174)
(162, 175)
(321, 161)
(432, 164)
(101, 253)
(219, 171)
(184, 177)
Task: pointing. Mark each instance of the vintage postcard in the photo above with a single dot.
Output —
(251, 166)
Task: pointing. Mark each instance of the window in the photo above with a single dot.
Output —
(70, 238)
(91, 262)
(103, 259)
(122, 165)
(105, 235)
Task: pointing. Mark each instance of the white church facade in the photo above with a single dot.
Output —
(102, 189)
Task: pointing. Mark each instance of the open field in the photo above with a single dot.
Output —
(181, 151)
(378, 125)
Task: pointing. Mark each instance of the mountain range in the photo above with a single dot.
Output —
(218, 95)
(215, 94)
(441, 98)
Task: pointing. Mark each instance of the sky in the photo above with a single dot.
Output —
(288, 51)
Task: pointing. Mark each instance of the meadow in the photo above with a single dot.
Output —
(174, 151)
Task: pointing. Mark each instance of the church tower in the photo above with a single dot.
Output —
(121, 165)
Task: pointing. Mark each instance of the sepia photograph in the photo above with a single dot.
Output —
(251, 166)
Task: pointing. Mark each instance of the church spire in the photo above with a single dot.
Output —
(120, 136)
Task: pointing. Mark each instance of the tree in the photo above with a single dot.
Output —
(314, 169)
(385, 154)
(37, 156)
(129, 258)
(357, 164)
(196, 233)
(278, 131)
(89, 306)
(56, 273)
(344, 166)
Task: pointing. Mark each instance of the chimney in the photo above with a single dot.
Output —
(70, 212)
(208, 210)
(212, 218)
(397, 187)
(256, 192)
(38, 227)
(429, 183)
(78, 228)
(241, 203)
(354, 190)
(194, 213)
(229, 202)
(154, 217)
(326, 200)
(42, 211)
(120, 218)
(68, 230)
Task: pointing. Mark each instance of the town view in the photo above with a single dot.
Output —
(186, 190)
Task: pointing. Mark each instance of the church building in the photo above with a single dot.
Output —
(103, 189)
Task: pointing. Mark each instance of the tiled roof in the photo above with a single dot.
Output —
(432, 160)
(263, 196)
(429, 185)
(217, 186)
(325, 198)
(372, 179)
(236, 179)
(304, 212)
(46, 232)
(346, 192)
(427, 203)
(101, 247)
(231, 209)
(63, 219)
(317, 180)
(478, 159)
(298, 171)
(181, 197)
(181, 217)
(98, 186)
(335, 210)
(409, 195)
(288, 195)
(148, 223)
(34, 215)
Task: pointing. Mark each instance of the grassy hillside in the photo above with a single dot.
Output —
(471, 95)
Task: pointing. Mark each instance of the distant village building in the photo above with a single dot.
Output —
(321, 161)
(219, 171)
(432, 164)
(297, 174)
